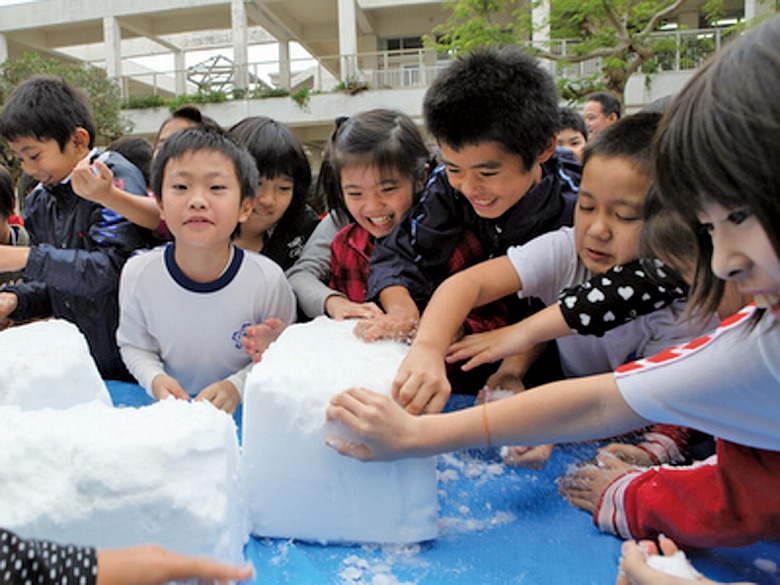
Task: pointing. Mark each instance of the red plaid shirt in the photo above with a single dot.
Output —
(351, 251)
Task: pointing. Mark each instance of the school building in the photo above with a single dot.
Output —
(329, 57)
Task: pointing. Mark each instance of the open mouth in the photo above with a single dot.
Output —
(382, 221)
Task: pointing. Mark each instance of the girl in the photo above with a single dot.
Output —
(281, 220)
(377, 163)
(725, 384)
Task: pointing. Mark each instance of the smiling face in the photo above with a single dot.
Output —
(743, 253)
(273, 197)
(595, 119)
(43, 159)
(376, 199)
(608, 216)
(201, 199)
(491, 178)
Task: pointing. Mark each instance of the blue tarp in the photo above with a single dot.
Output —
(498, 525)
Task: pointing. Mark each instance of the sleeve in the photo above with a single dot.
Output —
(91, 271)
(312, 271)
(34, 301)
(140, 351)
(620, 295)
(731, 499)
(39, 561)
(416, 252)
(667, 443)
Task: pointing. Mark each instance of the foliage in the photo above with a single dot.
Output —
(302, 97)
(620, 33)
(205, 97)
(263, 93)
(140, 102)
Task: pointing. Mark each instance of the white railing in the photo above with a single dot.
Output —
(385, 69)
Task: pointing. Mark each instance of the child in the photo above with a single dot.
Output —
(494, 114)
(184, 307)
(77, 247)
(607, 224)
(724, 384)
(281, 220)
(95, 182)
(10, 234)
(572, 134)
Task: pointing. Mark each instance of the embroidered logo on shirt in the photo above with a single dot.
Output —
(238, 336)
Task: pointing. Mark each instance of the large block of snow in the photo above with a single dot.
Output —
(48, 364)
(296, 486)
(114, 477)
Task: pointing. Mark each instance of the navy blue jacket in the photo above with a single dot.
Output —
(77, 250)
(415, 254)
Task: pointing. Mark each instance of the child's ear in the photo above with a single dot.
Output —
(80, 139)
(245, 210)
(160, 207)
(547, 152)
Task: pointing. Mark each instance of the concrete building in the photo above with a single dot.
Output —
(346, 44)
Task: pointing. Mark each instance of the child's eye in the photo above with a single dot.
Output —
(586, 208)
(737, 217)
(488, 174)
(627, 218)
(453, 170)
(353, 194)
(179, 187)
(218, 187)
(389, 189)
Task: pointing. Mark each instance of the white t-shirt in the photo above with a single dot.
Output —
(192, 331)
(726, 384)
(548, 264)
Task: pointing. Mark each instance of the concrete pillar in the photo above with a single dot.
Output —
(284, 65)
(112, 40)
(238, 21)
(540, 31)
(348, 48)
(180, 66)
(4, 52)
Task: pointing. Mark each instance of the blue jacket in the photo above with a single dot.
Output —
(415, 254)
(77, 250)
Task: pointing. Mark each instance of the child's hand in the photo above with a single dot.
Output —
(421, 384)
(630, 454)
(152, 564)
(535, 457)
(8, 303)
(386, 326)
(584, 486)
(488, 347)
(164, 386)
(92, 181)
(386, 429)
(221, 394)
(257, 338)
(638, 559)
(340, 308)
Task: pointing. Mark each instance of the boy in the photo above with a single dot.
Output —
(184, 307)
(601, 110)
(572, 134)
(494, 114)
(77, 247)
(608, 221)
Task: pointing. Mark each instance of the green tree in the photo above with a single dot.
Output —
(617, 32)
(104, 95)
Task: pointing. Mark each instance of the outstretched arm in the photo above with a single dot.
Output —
(569, 410)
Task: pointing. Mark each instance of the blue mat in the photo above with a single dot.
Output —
(498, 525)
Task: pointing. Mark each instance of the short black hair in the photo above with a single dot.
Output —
(191, 113)
(570, 119)
(630, 138)
(7, 198)
(137, 150)
(208, 139)
(498, 95)
(45, 107)
(609, 103)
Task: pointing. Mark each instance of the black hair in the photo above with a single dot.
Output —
(631, 138)
(276, 152)
(387, 139)
(568, 118)
(500, 95)
(718, 140)
(608, 102)
(45, 107)
(7, 198)
(208, 139)
(137, 150)
(191, 113)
